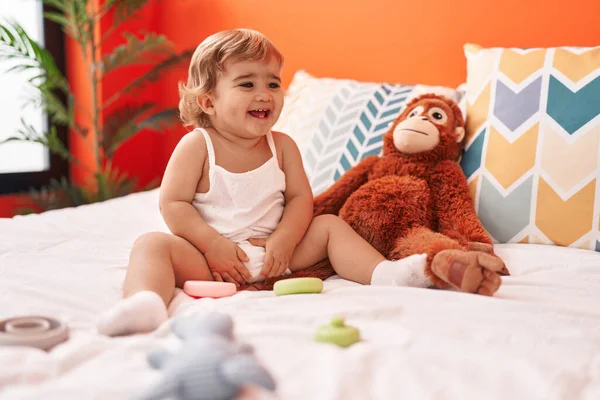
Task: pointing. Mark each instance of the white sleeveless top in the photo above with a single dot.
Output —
(242, 205)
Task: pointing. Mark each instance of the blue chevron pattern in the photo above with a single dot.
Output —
(384, 105)
(513, 109)
(504, 216)
(471, 160)
(572, 110)
(332, 133)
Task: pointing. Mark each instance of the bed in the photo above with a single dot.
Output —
(537, 338)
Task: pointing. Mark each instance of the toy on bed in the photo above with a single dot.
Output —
(209, 365)
(211, 289)
(33, 330)
(414, 199)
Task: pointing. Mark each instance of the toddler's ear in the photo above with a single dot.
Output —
(206, 104)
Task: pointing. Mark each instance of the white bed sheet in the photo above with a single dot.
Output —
(538, 338)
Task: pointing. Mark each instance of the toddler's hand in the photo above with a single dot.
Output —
(278, 253)
(225, 260)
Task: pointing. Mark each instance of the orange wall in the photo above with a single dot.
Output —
(379, 40)
(382, 40)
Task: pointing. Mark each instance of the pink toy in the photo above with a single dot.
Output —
(198, 289)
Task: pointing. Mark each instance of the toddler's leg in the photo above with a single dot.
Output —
(158, 262)
(353, 258)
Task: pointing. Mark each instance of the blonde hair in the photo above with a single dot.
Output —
(208, 61)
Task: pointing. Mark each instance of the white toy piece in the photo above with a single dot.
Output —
(33, 330)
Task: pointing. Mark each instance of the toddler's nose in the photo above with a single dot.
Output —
(262, 94)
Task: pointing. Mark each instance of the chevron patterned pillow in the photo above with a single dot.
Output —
(338, 122)
(533, 121)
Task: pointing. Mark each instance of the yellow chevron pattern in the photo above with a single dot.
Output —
(577, 66)
(533, 117)
(518, 67)
(578, 210)
(525, 146)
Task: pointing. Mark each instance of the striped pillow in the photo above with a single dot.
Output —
(338, 122)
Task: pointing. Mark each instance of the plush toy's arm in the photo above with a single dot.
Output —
(454, 207)
(332, 200)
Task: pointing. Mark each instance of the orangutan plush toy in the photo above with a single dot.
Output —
(414, 199)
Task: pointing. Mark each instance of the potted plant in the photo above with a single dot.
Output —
(113, 121)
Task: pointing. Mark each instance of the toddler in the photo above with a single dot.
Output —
(235, 195)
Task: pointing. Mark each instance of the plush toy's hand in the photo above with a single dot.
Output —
(225, 261)
(483, 247)
(486, 248)
(279, 250)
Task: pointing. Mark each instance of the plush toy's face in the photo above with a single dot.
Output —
(427, 122)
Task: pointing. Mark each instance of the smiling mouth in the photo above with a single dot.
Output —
(261, 113)
(413, 130)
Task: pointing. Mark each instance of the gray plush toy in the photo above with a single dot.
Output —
(209, 365)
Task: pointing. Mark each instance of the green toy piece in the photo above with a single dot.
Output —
(298, 286)
(338, 333)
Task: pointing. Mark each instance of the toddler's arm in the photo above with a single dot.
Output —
(177, 192)
(298, 211)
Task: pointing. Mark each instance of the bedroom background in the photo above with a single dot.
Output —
(390, 41)
(537, 339)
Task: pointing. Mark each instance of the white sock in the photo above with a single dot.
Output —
(409, 271)
(142, 312)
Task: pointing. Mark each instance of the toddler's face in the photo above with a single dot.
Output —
(248, 98)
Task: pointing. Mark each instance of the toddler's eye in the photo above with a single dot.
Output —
(273, 85)
(247, 84)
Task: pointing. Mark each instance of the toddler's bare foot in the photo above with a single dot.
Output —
(469, 271)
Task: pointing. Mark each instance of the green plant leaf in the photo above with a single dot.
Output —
(124, 9)
(80, 21)
(136, 51)
(58, 4)
(151, 76)
(59, 18)
(17, 46)
(56, 110)
(161, 120)
(53, 106)
(123, 125)
(49, 139)
(59, 193)
(112, 183)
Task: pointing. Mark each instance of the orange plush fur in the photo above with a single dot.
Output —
(415, 202)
